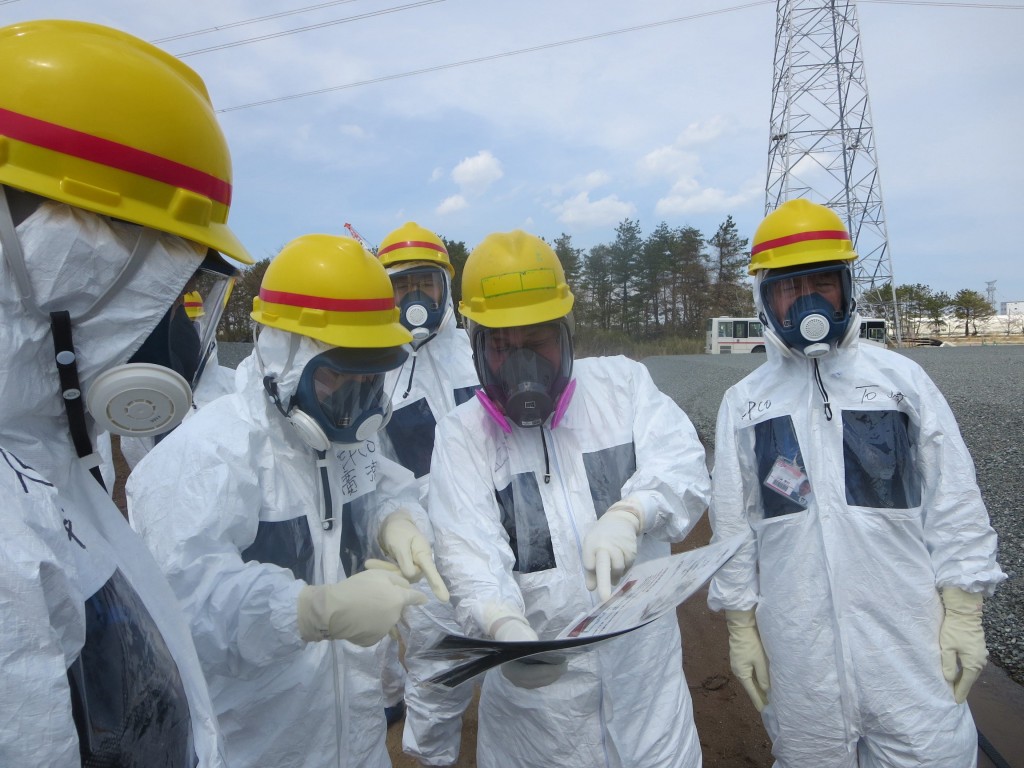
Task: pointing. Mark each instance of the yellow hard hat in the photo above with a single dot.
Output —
(800, 232)
(99, 119)
(332, 289)
(411, 242)
(193, 301)
(511, 279)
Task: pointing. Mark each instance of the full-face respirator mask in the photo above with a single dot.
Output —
(422, 297)
(525, 371)
(151, 393)
(809, 309)
(340, 397)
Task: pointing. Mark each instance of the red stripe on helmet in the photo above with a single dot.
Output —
(800, 237)
(327, 304)
(412, 244)
(85, 146)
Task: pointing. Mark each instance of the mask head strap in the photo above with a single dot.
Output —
(71, 389)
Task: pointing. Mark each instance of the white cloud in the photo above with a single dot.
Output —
(475, 174)
(708, 200)
(595, 179)
(703, 132)
(586, 182)
(582, 211)
(669, 161)
(353, 131)
(451, 205)
(633, 142)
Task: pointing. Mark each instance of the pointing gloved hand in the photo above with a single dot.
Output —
(360, 609)
(609, 548)
(535, 671)
(962, 639)
(401, 540)
(746, 656)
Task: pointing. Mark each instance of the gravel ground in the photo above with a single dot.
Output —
(985, 388)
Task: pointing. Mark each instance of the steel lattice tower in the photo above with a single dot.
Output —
(822, 145)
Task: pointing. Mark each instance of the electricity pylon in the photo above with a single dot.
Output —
(822, 144)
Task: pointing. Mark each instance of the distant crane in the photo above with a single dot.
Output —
(360, 239)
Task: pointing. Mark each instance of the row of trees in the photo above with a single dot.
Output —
(665, 284)
(923, 311)
(668, 283)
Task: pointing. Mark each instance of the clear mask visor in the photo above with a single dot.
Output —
(421, 295)
(809, 308)
(343, 390)
(184, 338)
(524, 369)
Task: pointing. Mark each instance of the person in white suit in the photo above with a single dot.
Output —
(265, 508)
(854, 612)
(115, 187)
(437, 376)
(544, 489)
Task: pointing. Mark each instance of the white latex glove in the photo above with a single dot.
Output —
(746, 656)
(962, 639)
(360, 609)
(401, 540)
(609, 548)
(533, 672)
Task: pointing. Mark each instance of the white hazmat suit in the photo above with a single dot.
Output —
(507, 538)
(439, 376)
(232, 507)
(130, 673)
(845, 571)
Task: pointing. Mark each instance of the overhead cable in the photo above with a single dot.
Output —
(321, 25)
(243, 22)
(492, 57)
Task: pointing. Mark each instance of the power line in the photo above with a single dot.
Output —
(321, 25)
(492, 57)
(242, 23)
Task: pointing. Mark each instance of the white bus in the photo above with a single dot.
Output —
(873, 331)
(739, 335)
(733, 336)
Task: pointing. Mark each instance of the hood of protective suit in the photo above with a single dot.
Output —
(281, 354)
(72, 258)
(776, 348)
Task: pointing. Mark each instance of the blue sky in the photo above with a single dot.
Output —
(665, 123)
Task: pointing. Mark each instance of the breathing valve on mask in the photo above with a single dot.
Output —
(421, 315)
(814, 324)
